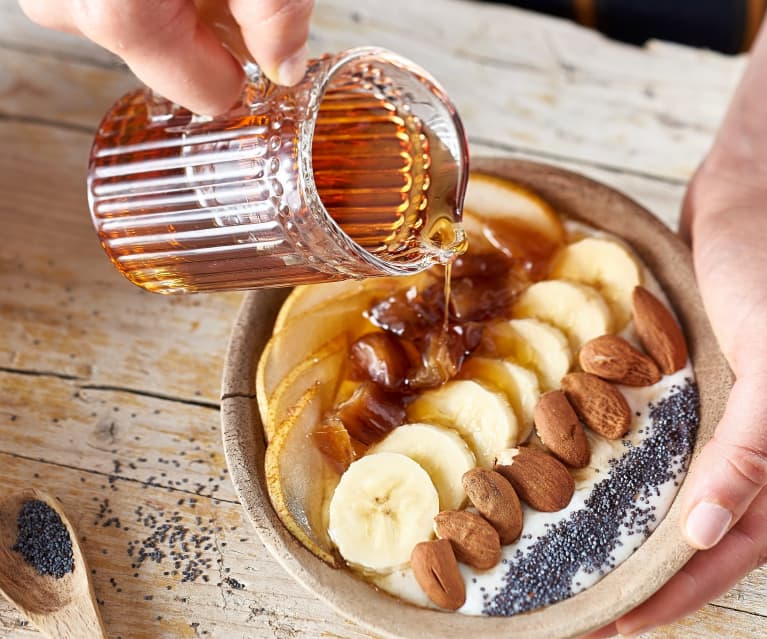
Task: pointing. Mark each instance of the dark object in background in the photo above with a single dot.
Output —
(729, 26)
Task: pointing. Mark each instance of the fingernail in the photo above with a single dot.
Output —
(293, 69)
(707, 524)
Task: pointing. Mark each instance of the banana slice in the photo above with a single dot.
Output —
(383, 506)
(440, 451)
(605, 265)
(519, 384)
(491, 197)
(483, 418)
(532, 344)
(578, 310)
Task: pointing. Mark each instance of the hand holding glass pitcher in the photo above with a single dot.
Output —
(177, 49)
(357, 170)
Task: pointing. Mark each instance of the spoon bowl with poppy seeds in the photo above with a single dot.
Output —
(42, 569)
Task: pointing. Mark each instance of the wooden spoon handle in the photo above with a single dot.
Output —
(79, 620)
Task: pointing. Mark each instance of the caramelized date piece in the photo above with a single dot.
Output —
(409, 313)
(370, 413)
(476, 299)
(443, 354)
(380, 358)
(334, 442)
(481, 265)
(529, 250)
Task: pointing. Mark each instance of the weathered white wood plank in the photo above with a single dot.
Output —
(714, 623)
(750, 595)
(548, 85)
(66, 309)
(44, 87)
(119, 435)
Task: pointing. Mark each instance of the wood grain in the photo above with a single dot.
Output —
(94, 371)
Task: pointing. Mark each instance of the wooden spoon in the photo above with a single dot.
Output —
(62, 608)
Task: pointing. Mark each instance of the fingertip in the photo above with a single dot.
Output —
(706, 524)
(275, 33)
(292, 70)
(633, 625)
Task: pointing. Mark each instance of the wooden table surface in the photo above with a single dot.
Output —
(109, 396)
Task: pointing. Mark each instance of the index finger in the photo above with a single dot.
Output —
(275, 32)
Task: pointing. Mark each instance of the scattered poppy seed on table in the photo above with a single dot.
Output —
(233, 583)
(44, 540)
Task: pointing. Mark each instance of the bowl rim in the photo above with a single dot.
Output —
(632, 582)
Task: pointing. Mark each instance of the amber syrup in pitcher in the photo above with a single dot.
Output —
(163, 208)
(383, 177)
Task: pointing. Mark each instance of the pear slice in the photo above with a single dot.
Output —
(299, 479)
(493, 198)
(323, 369)
(312, 296)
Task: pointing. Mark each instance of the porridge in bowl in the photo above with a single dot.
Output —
(499, 461)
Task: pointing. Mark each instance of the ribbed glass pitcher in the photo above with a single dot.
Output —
(357, 171)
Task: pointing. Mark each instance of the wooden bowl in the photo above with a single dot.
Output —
(642, 574)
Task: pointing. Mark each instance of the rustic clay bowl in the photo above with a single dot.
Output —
(632, 582)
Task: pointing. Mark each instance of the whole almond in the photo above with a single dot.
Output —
(475, 542)
(601, 406)
(436, 571)
(560, 429)
(658, 331)
(613, 358)
(496, 500)
(541, 481)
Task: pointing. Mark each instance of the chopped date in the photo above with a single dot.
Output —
(477, 299)
(371, 413)
(410, 313)
(492, 264)
(334, 442)
(381, 358)
(443, 354)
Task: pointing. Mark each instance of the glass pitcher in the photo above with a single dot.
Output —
(358, 171)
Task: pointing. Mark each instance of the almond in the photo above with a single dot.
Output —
(601, 406)
(475, 542)
(560, 429)
(613, 358)
(540, 480)
(658, 331)
(496, 500)
(436, 571)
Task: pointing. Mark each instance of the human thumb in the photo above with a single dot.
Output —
(732, 468)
